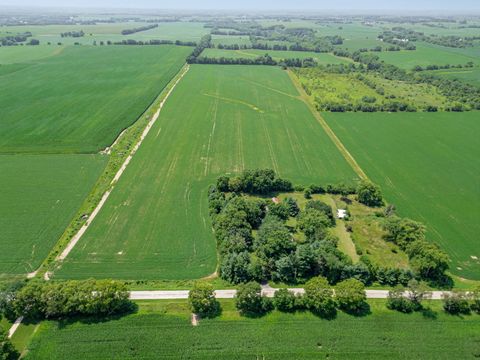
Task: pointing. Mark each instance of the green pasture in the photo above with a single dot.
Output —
(219, 119)
(321, 58)
(80, 100)
(162, 330)
(39, 196)
(231, 39)
(428, 166)
(468, 75)
(429, 54)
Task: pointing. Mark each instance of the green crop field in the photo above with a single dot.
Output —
(231, 40)
(321, 58)
(469, 75)
(428, 165)
(429, 54)
(162, 330)
(80, 100)
(40, 195)
(20, 54)
(219, 119)
(185, 31)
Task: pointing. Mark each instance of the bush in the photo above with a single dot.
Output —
(369, 194)
(476, 300)
(7, 350)
(284, 300)
(202, 300)
(249, 300)
(350, 296)
(319, 297)
(456, 303)
(397, 301)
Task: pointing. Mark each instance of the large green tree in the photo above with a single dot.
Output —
(350, 296)
(202, 300)
(319, 297)
(369, 194)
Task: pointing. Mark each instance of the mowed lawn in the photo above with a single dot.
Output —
(219, 119)
(321, 58)
(162, 330)
(80, 100)
(39, 196)
(429, 167)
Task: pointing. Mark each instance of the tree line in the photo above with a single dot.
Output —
(323, 300)
(139, 29)
(152, 42)
(74, 34)
(37, 300)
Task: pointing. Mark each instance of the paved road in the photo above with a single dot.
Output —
(229, 294)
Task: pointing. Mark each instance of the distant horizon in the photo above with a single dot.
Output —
(407, 7)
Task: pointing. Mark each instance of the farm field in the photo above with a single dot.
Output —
(428, 165)
(231, 39)
(469, 75)
(219, 119)
(429, 54)
(53, 106)
(21, 54)
(321, 58)
(40, 194)
(163, 330)
(185, 31)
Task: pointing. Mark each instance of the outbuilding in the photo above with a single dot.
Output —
(341, 213)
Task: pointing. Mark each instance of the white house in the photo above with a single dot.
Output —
(341, 213)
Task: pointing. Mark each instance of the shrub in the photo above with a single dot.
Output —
(350, 296)
(369, 194)
(202, 300)
(456, 303)
(397, 301)
(249, 300)
(319, 297)
(7, 350)
(284, 300)
(476, 300)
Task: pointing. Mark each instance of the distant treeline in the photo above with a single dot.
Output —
(442, 67)
(261, 60)
(139, 29)
(75, 34)
(12, 40)
(152, 42)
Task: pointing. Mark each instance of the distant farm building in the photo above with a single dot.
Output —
(341, 213)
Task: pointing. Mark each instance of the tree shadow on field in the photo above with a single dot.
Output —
(361, 311)
(325, 314)
(96, 319)
(428, 313)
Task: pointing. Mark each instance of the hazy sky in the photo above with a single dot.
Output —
(418, 5)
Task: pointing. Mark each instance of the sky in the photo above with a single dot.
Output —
(342, 5)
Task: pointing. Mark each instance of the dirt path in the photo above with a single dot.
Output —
(14, 327)
(119, 173)
(343, 150)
